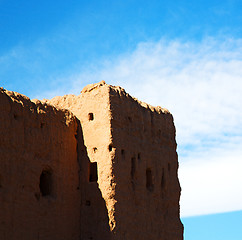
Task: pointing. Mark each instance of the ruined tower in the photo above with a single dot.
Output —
(118, 161)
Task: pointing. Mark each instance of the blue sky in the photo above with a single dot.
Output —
(183, 55)
(216, 226)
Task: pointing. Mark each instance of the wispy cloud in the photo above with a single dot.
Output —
(214, 185)
(201, 84)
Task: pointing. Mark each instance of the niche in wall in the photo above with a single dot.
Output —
(149, 180)
(133, 167)
(93, 175)
(45, 183)
(90, 116)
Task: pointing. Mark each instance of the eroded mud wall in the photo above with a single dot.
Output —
(145, 167)
(134, 147)
(92, 108)
(40, 192)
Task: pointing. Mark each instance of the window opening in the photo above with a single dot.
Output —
(90, 116)
(45, 184)
(163, 179)
(93, 176)
(94, 149)
(110, 148)
(133, 167)
(149, 180)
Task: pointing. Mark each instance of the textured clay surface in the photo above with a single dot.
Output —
(101, 165)
(134, 146)
(39, 171)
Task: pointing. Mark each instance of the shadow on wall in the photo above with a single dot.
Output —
(46, 191)
(94, 214)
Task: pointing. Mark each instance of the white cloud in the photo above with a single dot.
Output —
(201, 84)
(212, 186)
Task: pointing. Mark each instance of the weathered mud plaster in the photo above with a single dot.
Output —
(39, 170)
(112, 162)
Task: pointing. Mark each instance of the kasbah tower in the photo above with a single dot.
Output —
(98, 166)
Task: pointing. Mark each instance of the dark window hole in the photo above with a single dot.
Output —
(93, 175)
(42, 125)
(90, 116)
(130, 119)
(163, 179)
(110, 148)
(139, 157)
(94, 149)
(45, 184)
(133, 167)
(15, 116)
(88, 203)
(149, 180)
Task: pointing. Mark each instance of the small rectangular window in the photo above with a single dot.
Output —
(93, 176)
(90, 116)
(149, 180)
(133, 167)
(45, 184)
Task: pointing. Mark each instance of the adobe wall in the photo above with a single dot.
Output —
(108, 170)
(134, 147)
(145, 170)
(40, 191)
(92, 108)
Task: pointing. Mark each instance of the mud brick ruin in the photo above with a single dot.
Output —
(100, 166)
